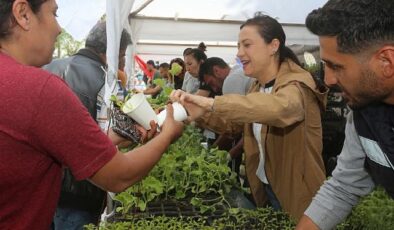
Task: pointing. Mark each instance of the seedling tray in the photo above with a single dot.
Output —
(170, 208)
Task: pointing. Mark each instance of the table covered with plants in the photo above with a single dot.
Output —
(192, 187)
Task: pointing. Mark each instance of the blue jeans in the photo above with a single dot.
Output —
(72, 219)
(275, 204)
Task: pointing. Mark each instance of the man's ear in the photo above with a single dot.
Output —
(216, 70)
(22, 13)
(385, 58)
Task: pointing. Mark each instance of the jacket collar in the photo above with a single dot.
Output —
(289, 72)
(90, 54)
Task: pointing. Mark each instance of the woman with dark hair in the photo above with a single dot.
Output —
(193, 59)
(44, 127)
(280, 118)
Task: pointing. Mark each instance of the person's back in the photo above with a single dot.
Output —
(84, 74)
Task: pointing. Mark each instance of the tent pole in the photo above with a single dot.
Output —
(139, 9)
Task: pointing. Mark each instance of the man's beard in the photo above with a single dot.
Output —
(370, 91)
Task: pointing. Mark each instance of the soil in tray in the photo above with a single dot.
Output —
(169, 208)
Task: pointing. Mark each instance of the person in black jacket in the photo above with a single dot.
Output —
(81, 202)
(357, 47)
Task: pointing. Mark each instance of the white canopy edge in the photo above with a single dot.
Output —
(162, 39)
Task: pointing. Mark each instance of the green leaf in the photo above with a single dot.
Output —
(113, 98)
(203, 188)
(180, 194)
(206, 208)
(160, 82)
(234, 210)
(141, 205)
(119, 209)
(196, 201)
(167, 90)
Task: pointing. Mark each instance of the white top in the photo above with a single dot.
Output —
(190, 83)
(260, 172)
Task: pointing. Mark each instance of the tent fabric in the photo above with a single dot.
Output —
(162, 39)
(77, 16)
(117, 13)
(164, 28)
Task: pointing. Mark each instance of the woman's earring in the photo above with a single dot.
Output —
(273, 53)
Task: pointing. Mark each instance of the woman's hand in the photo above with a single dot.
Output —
(196, 106)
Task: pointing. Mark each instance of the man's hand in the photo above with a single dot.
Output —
(126, 169)
(237, 150)
(115, 138)
(171, 126)
(146, 135)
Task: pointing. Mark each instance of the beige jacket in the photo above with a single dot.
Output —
(293, 137)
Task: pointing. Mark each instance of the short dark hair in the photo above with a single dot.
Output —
(164, 65)
(206, 68)
(270, 29)
(151, 62)
(97, 38)
(7, 20)
(356, 24)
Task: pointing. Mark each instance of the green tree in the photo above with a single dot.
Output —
(66, 45)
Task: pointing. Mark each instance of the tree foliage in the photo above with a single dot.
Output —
(66, 45)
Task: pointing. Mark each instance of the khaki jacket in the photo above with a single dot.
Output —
(293, 137)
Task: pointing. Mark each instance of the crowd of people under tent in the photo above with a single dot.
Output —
(57, 163)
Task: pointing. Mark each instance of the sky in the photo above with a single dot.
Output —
(78, 16)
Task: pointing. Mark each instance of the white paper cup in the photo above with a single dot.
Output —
(138, 108)
(179, 114)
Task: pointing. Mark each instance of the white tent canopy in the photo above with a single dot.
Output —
(287, 11)
(163, 35)
(154, 40)
(163, 28)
